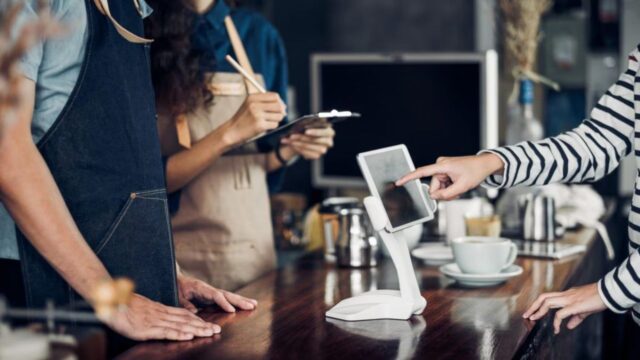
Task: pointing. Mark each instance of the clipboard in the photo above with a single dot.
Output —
(301, 124)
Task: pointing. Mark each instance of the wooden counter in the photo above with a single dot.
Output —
(458, 323)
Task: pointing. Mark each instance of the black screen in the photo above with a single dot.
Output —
(433, 108)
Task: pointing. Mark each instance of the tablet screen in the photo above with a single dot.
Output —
(404, 204)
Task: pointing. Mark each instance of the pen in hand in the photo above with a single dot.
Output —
(245, 74)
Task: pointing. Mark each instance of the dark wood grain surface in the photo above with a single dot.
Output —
(458, 323)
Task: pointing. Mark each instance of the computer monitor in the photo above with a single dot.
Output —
(436, 104)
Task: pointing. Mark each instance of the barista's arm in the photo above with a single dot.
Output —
(30, 194)
(259, 113)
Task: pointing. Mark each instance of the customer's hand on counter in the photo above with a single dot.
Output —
(191, 289)
(144, 319)
(575, 304)
(311, 145)
(453, 176)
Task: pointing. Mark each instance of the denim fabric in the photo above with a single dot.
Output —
(104, 154)
(54, 65)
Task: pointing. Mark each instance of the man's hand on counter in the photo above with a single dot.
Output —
(575, 304)
(191, 289)
(144, 319)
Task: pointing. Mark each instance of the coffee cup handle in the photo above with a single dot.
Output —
(513, 254)
(429, 200)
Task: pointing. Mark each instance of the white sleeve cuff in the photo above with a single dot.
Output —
(497, 181)
(605, 292)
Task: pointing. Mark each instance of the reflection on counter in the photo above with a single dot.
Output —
(341, 285)
(287, 211)
(406, 333)
(482, 312)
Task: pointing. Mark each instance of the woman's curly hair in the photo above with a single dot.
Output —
(175, 65)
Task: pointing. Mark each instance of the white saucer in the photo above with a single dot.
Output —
(433, 254)
(479, 280)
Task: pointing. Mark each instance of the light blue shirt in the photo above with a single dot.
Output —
(54, 65)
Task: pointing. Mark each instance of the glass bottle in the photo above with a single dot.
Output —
(522, 123)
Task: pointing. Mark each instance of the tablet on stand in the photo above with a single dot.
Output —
(391, 209)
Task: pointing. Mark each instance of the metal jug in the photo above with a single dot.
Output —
(539, 214)
(355, 245)
(329, 212)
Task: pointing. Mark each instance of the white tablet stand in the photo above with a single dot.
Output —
(385, 304)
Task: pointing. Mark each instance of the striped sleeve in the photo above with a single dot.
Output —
(584, 154)
(620, 288)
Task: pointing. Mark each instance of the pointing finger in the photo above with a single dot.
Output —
(435, 185)
(449, 193)
(424, 171)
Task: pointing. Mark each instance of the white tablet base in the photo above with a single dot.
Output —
(385, 304)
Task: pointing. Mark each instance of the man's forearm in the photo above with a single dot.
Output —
(29, 192)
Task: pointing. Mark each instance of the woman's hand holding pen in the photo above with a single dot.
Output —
(259, 113)
(453, 176)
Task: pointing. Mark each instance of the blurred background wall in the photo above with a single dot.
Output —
(601, 30)
(368, 26)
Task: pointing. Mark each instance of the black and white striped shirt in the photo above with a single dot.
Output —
(586, 154)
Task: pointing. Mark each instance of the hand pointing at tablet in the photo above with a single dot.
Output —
(453, 176)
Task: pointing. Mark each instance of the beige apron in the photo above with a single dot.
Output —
(222, 230)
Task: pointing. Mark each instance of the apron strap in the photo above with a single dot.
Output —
(241, 54)
(227, 88)
(182, 125)
(103, 7)
(182, 130)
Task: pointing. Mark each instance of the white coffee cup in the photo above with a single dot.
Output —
(483, 254)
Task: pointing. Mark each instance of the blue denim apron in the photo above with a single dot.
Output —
(104, 154)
